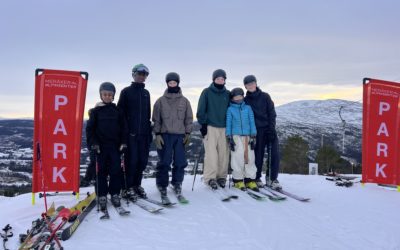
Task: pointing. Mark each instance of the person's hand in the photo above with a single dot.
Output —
(159, 142)
(203, 130)
(186, 139)
(231, 143)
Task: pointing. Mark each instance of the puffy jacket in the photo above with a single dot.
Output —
(263, 107)
(240, 120)
(134, 101)
(172, 114)
(212, 107)
(106, 126)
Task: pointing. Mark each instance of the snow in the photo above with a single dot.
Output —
(335, 218)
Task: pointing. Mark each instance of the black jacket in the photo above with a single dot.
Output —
(263, 108)
(134, 101)
(106, 126)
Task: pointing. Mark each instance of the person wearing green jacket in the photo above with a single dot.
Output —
(211, 114)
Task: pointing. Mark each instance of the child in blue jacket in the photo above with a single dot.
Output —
(241, 132)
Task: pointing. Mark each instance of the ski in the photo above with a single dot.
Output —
(255, 195)
(272, 196)
(122, 211)
(159, 203)
(147, 206)
(293, 196)
(66, 233)
(181, 199)
(221, 195)
(230, 194)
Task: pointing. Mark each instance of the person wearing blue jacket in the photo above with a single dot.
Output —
(241, 132)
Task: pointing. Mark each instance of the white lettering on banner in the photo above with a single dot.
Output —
(379, 170)
(383, 129)
(383, 106)
(60, 127)
(60, 148)
(58, 174)
(382, 147)
(60, 100)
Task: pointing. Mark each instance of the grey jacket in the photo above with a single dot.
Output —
(172, 114)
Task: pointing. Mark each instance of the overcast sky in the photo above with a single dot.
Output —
(297, 49)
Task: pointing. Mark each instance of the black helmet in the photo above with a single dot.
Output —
(248, 79)
(108, 86)
(219, 73)
(140, 68)
(236, 92)
(172, 76)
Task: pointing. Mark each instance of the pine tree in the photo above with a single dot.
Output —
(294, 155)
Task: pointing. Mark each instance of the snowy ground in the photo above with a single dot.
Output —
(335, 218)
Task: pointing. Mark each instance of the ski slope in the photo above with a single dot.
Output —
(335, 218)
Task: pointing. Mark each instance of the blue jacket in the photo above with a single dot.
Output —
(240, 120)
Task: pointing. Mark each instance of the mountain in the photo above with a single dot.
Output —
(335, 218)
(310, 119)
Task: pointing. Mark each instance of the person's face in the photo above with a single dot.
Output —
(238, 98)
(219, 80)
(140, 77)
(251, 87)
(107, 96)
(172, 84)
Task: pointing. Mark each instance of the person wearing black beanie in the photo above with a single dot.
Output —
(173, 118)
(265, 118)
(211, 114)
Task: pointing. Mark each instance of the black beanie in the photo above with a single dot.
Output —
(172, 76)
(248, 79)
(219, 73)
(236, 92)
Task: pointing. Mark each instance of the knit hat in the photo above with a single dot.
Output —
(219, 73)
(172, 76)
(248, 79)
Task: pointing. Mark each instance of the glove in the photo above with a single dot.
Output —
(96, 148)
(231, 143)
(252, 142)
(203, 130)
(271, 135)
(123, 148)
(186, 140)
(159, 142)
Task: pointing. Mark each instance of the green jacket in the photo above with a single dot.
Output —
(213, 104)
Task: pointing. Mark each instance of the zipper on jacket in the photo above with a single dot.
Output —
(140, 110)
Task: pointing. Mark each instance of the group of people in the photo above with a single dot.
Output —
(236, 129)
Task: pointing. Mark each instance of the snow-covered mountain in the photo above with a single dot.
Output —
(335, 218)
(318, 122)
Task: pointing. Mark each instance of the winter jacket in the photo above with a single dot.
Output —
(106, 126)
(172, 114)
(212, 107)
(263, 108)
(240, 120)
(134, 101)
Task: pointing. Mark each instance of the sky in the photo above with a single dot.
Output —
(298, 50)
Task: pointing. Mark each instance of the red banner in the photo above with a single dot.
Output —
(59, 106)
(381, 124)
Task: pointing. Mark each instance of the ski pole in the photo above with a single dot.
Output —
(269, 161)
(124, 172)
(97, 183)
(197, 164)
(39, 158)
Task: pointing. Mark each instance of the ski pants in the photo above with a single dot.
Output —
(109, 164)
(242, 163)
(136, 158)
(261, 144)
(216, 154)
(173, 150)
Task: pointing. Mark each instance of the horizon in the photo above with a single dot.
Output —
(298, 50)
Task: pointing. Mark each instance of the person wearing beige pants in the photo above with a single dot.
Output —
(242, 159)
(216, 157)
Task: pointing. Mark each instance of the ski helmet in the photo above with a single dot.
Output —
(108, 86)
(140, 68)
(172, 76)
(236, 92)
(219, 73)
(248, 79)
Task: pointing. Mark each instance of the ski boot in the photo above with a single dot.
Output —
(213, 184)
(273, 184)
(259, 183)
(130, 194)
(239, 185)
(103, 203)
(177, 188)
(164, 197)
(139, 190)
(221, 182)
(252, 185)
(116, 200)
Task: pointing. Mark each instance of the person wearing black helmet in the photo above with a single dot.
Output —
(134, 101)
(173, 118)
(106, 133)
(265, 118)
(211, 114)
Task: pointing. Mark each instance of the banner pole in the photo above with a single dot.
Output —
(33, 198)
(41, 172)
